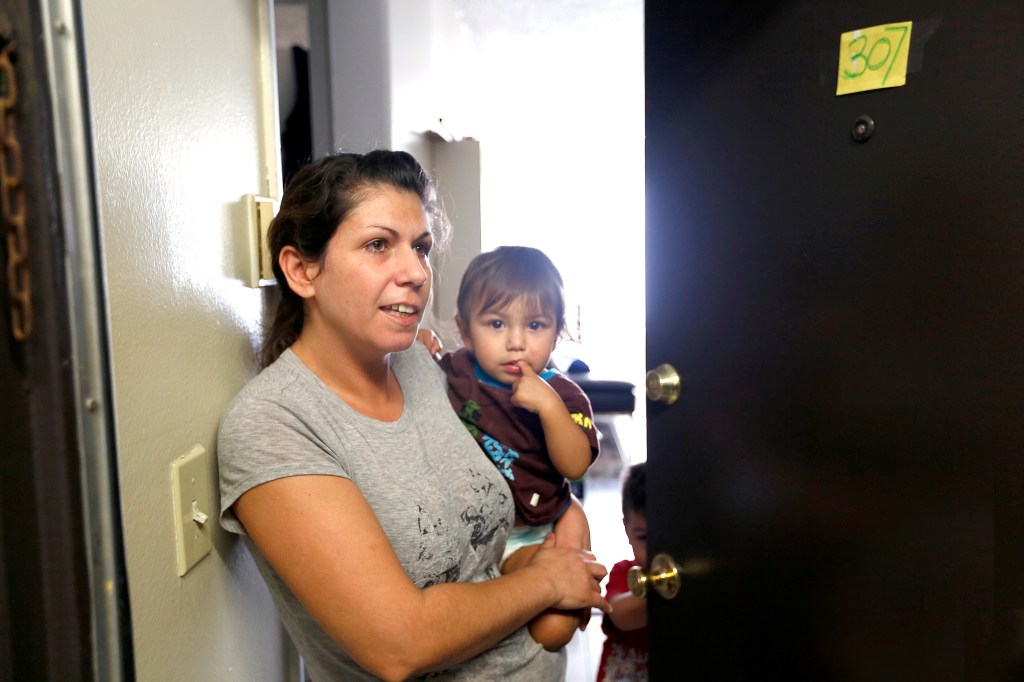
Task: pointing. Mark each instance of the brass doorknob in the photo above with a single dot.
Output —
(664, 577)
(663, 384)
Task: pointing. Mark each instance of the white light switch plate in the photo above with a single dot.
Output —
(193, 517)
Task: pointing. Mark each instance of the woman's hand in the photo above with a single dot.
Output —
(574, 574)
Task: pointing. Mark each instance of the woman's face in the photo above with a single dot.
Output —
(372, 287)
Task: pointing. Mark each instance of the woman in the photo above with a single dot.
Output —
(373, 516)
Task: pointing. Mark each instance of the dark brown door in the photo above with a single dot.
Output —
(847, 454)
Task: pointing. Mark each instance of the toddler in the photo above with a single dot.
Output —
(534, 423)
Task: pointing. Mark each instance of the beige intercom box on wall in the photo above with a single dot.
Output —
(260, 211)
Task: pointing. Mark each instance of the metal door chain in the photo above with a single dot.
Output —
(12, 198)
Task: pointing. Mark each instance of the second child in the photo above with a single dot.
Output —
(624, 656)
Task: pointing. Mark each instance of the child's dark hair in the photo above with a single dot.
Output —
(634, 489)
(496, 278)
(318, 198)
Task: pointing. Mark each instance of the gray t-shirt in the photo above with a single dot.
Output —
(444, 507)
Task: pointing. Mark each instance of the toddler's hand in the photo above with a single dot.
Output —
(532, 393)
(429, 339)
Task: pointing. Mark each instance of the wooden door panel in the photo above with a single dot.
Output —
(846, 317)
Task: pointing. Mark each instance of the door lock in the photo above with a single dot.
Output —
(663, 384)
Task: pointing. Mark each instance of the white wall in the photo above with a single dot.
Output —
(175, 100)
(430, 56)
(360, 75)
(560, 116)
(457, 167)
(392, 71)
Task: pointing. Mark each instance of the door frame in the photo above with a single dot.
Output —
(64, 604)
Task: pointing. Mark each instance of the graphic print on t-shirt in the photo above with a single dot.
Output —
(484, 513)
(469, 413)
(493, 499)
(435, 557)
(502, 455)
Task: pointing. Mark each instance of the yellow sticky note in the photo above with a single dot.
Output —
(873, 58)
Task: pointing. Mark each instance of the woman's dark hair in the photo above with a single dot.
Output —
(634, 489)
(317, 199)
(494, 279)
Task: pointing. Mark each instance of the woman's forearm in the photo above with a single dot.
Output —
(457, 621)
(452, 622)
(339, 564)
